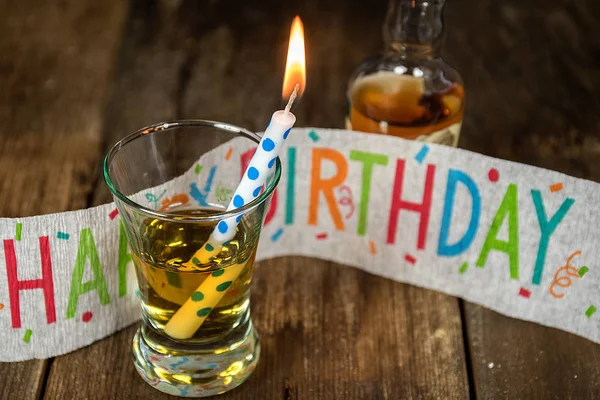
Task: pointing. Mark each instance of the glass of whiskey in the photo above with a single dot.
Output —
(225, 349)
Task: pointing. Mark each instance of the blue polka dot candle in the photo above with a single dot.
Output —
(188, 319)
(250, 186)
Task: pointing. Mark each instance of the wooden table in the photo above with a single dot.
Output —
(77, 75)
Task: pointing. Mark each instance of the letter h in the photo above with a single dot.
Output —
(15, 285)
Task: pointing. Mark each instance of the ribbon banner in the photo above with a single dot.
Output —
(520, 240)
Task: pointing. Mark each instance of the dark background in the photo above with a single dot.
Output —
(75, 76)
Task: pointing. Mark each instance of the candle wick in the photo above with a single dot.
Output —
(292, 98)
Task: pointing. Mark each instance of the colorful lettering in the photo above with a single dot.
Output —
(46, 282)
(291, 186)
(201, 195)
(245, 161)
(423, 208)
(369, 160)
(508, 209)
(178, 200)
(272, 207)
(87, 250)
(449, 250)
(245, 158)
(547, 228)
(326, 186)
(125, 258)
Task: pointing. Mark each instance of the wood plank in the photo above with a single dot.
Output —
(335, 332)
(361, 337)
(146, 85)
(54, 64)
(23, 379)
(531, 84)
(515, 359)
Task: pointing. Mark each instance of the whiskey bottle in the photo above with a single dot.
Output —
(408, 91)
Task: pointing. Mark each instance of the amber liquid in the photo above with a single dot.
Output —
(398, 105)
(165, 283)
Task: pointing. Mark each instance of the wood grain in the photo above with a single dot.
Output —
(531, 80)
(514, 359)
(23, 379)
(327, 331)
(334, 332)
(531, 73)
(54, 67)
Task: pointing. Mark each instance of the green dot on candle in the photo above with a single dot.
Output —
(203, 312)
(223, 286)
(209, 247)
(197, 296)
(195, 261)
(218, 272)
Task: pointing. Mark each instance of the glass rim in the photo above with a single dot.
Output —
(179, 216)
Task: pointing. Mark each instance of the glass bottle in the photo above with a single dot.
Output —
(408, 90)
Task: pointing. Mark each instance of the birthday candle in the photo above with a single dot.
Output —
(188, 319)
(252, 182)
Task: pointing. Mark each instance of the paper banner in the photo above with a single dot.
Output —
(520, 240)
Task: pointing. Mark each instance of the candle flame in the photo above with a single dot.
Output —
(295, 68)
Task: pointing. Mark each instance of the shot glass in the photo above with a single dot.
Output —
(225, 349)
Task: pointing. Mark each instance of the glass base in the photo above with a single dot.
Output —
(201, 371)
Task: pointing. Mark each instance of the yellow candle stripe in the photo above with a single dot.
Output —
(183, 324)
(186, 321)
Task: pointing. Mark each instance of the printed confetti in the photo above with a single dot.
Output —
(563, 275)
(113, 214)
(313, 136)
(493, 175)
(346, 199)
(152, 198)
(524, 293)
(372, 247)
(556, 187)
(410, 259)
(19, 229)
(27, 336)
(87, 316)
(590, 311)
(275, 237)
(422, 154)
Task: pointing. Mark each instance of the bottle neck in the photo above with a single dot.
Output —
(414, 28)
